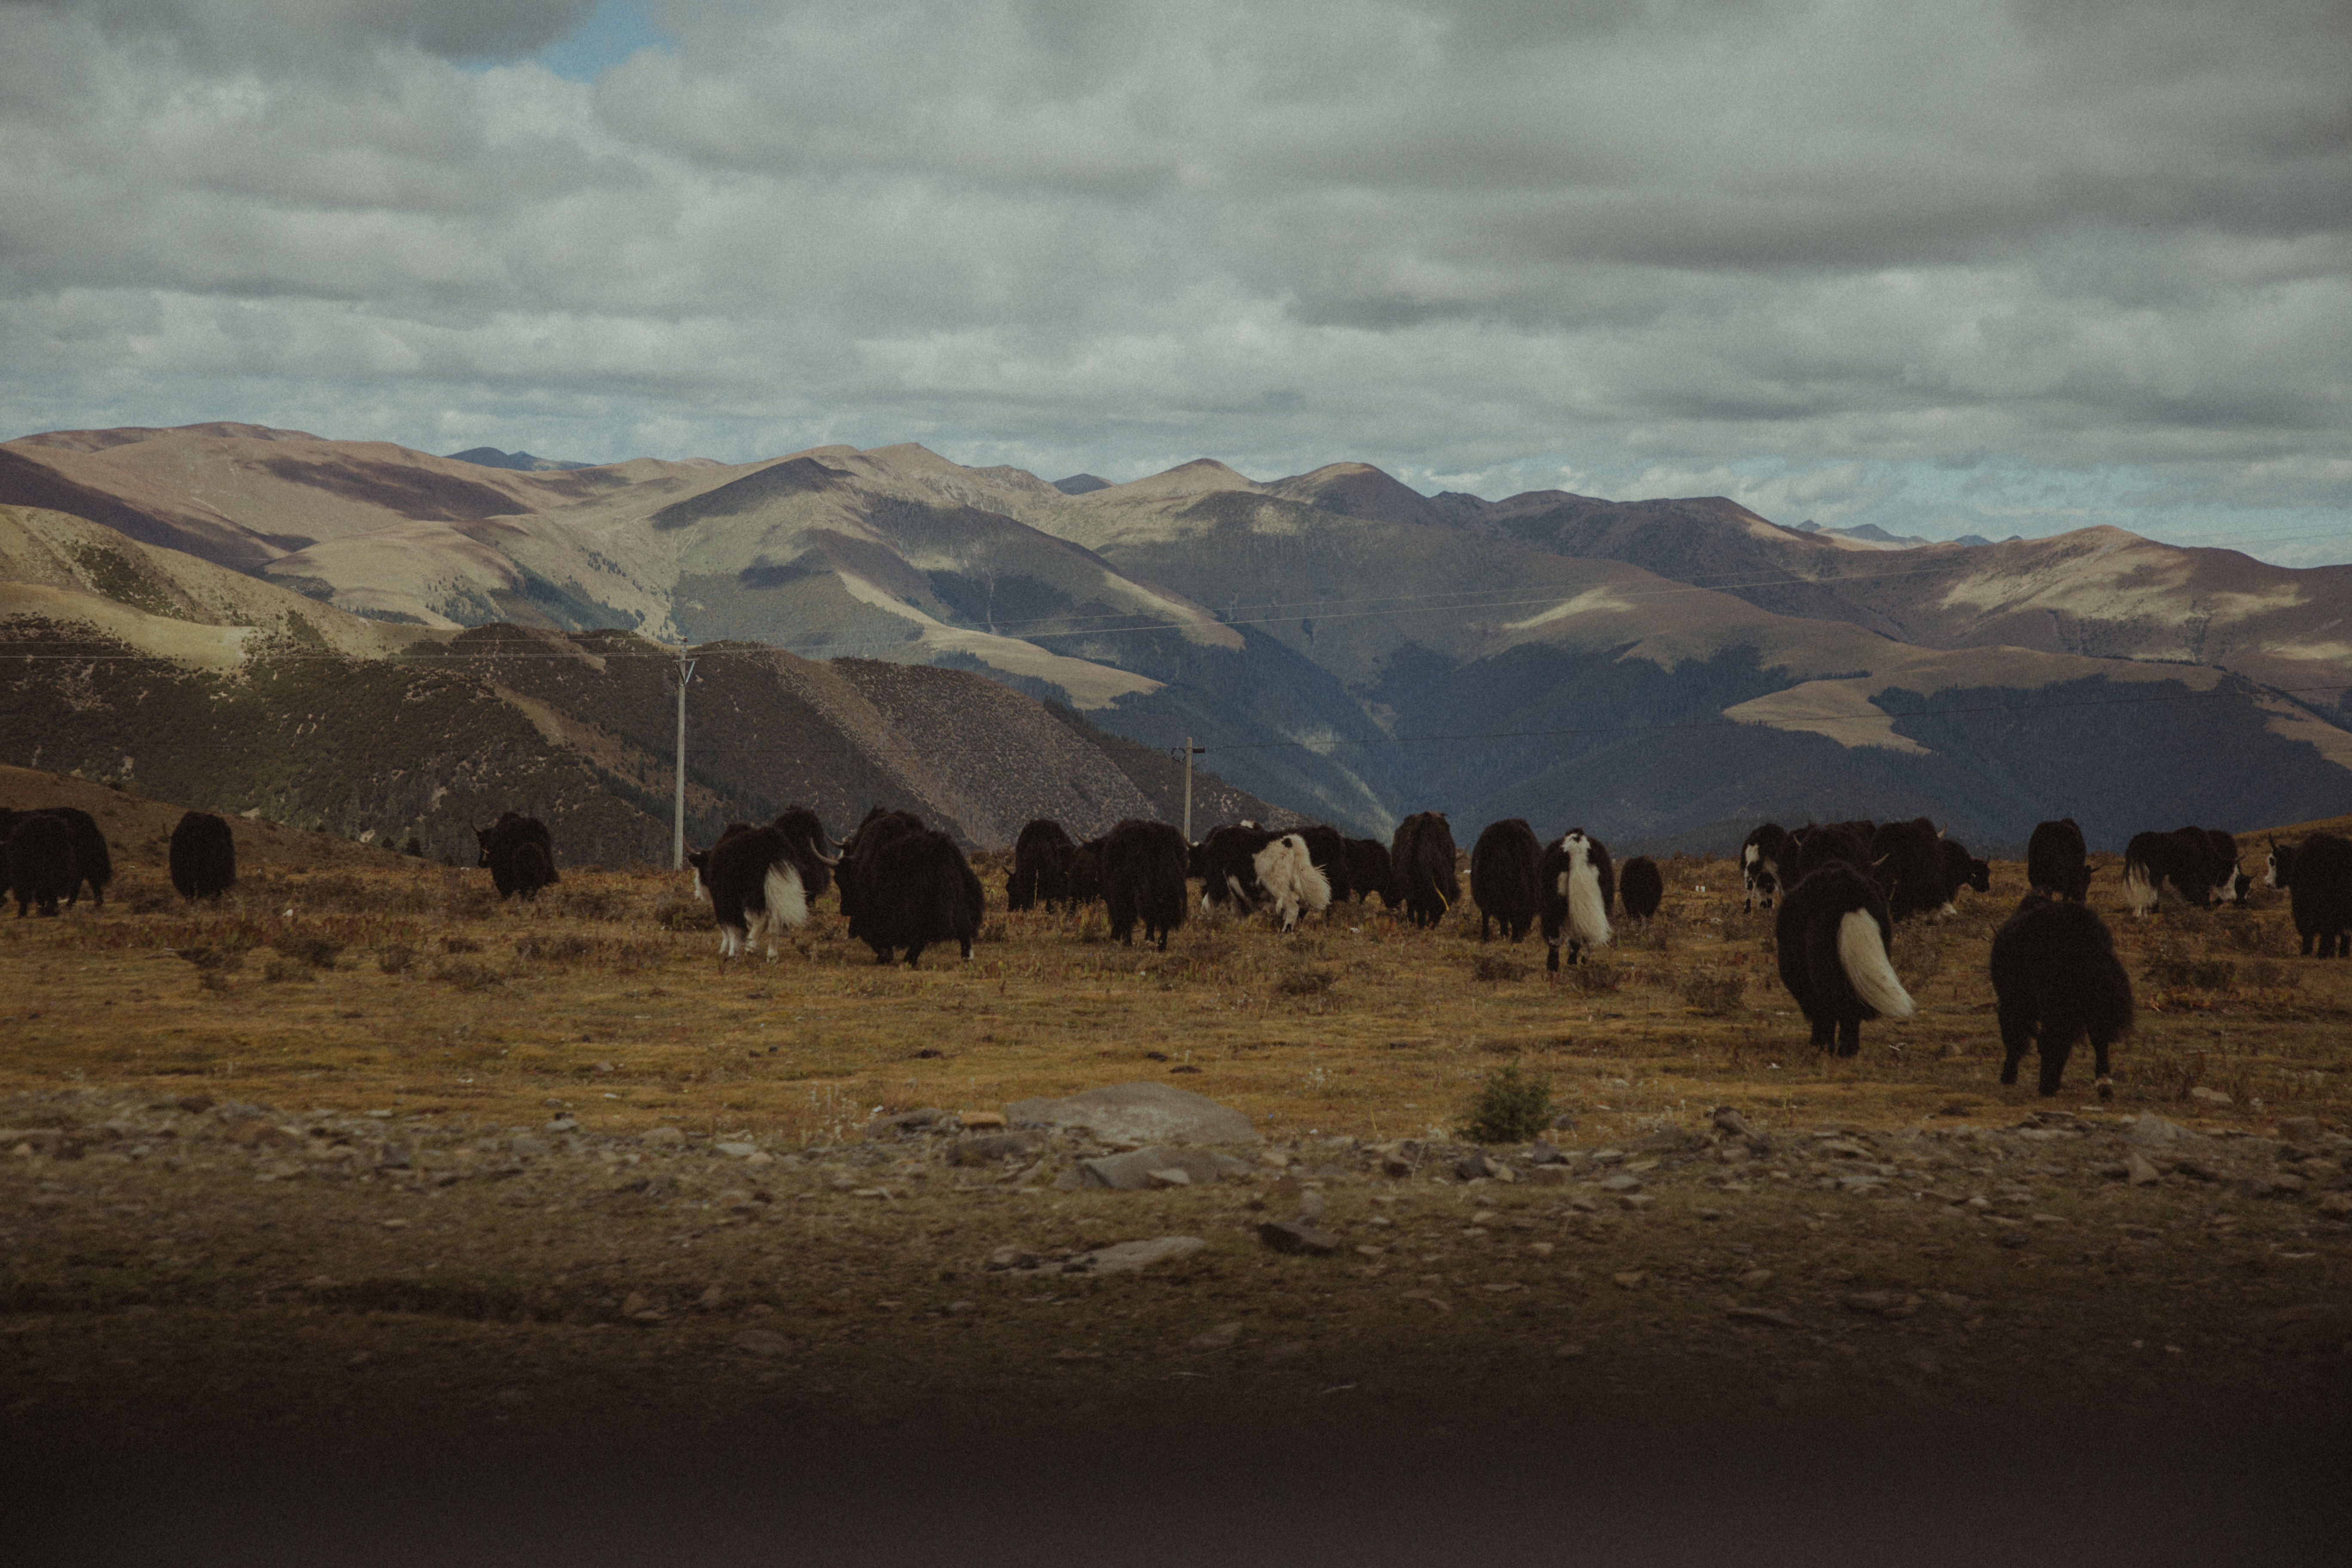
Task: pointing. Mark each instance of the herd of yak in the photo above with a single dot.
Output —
(1840, 888)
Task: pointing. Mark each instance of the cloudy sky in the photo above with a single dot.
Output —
(1974, 267)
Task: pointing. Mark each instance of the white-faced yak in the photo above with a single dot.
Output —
(2055, 978)
(1761, 855)
(203, 856)
(1503, 877)
(1831, 934)
(1578, 885)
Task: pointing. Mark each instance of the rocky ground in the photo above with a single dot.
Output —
(332, 1282)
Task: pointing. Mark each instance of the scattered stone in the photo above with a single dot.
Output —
(1172, 1177)
(1298, 1236)
(1710, 1213)
(1757, 1278)
(1553, 1175)
(1540, 1153)
(663, 1138)
(395, 1225)
(1882, 1303)
(1474, 1165)
(1140, 1113)
(991, 1149)
(1630, 1280)
(1761, 1315)
(2150, 1131)
(2138, 1170)
(1005, 1258)
(1396, 1165)
(737, 1150)
(904, 1121)
(1564, 1122)
(1636, 1202)
(2013, 1239)
(979, 1120)
(2299, 1129)
(1310, 1204)
(1217, 1339)
(2337, 1204)
(1133, 1172)
(2211, 1095)
(763, 1342)
(1132, 1256)
(564, 1123)
(1621, 1183)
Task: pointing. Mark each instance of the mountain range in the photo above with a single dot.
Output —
(1662, 672)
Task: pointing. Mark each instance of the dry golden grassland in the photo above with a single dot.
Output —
(368, 1116)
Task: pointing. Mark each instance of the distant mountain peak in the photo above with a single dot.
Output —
(1081, 484)
(522, 462)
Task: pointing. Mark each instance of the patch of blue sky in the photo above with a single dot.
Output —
(613, 31)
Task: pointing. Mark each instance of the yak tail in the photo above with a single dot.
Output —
(786, 902)
(1863, 957)
(1588, 917)
(2140, 887)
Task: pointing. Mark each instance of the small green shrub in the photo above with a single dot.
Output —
(1593, 979)
(1511, 1108)
(1711, 992)
(2181, 974)
(1495, 966)
(686, 914)
(395, 959)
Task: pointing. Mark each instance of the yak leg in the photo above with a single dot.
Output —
(914, 955)
(2099, 1059)
(1849, 1037)
(2057, 1045)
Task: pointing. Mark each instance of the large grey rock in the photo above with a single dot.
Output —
(1132, 1172)
(1138, 1113)
(2153, 1131)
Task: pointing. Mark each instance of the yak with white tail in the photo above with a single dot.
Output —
(1578, 886)
(759, 880)
(1832, 932)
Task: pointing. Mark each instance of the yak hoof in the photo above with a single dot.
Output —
(1551, 959)
(2106, 1088)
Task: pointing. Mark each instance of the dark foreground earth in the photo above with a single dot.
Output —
(237, 1334)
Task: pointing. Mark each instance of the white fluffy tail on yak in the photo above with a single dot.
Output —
(1588, 916)
(1863, 957)
(783, 907)
(1292, 880)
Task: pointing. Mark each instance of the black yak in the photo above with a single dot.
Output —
(1817, 845)
(1503, 877)
(203, 856)
(2187, 858)
(1831, 937)
(2056, 978)
(1368, 872)
(519, 854)
(1962, 870)
(914, 888)
(2317, 875)
(1761, 855)
(1226, 863)
(43, 870)
(1640, 886)
(1576, 886)
(1041, 867)
(1906, 860)
(1420, 867)
(760, 880)
(1330, 853)
(880, 826)
(2057, 861)
(1143, 878)
(91, 857)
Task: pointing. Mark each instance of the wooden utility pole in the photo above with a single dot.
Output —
(677, 814)
(1191, 750)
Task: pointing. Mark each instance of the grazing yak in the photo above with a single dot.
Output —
(1041, 867)
(1906, 860)
(2199, 869)
(1330, 853)
(1761, 855)
(914, 888)
(759, 880)
(203, 856)
(2055, 978)
(1503, 882)
(1831, 936)
(880, 826)
(1293, 884)
(43, 869)
(1368, 872)
(1962, 870)
(521, 855)
(2057, 861)
(1420, 867)
(93, 862)
(1640, 886)
(1814, 846)
(1578, 886)
(2231, 884)
(2317, 877)
(1143, 878)
(1226, 863)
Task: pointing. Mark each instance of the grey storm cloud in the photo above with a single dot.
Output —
(1620, 240)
